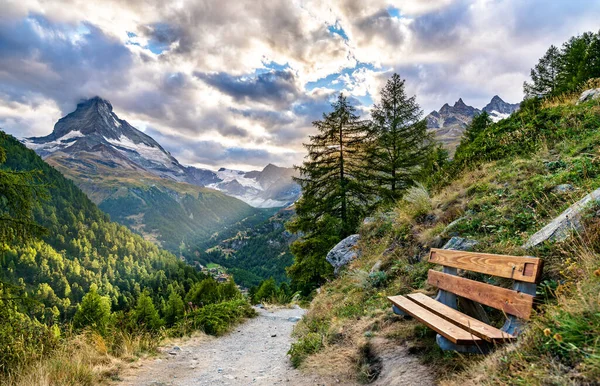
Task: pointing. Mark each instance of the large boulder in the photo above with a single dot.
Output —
(589, 95)
(460, 244)
(568, 221)
(343, 253)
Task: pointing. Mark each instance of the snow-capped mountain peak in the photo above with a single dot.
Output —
(94, 131)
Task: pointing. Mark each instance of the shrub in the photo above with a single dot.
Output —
(93, 312)
(217, 319)
(305, 346)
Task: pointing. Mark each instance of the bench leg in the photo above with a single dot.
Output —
(398, 311)
(514, 325)
(446, 345)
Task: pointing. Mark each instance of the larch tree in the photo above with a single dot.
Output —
(334, 193)
(400, 145)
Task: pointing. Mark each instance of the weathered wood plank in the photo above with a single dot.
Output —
(449, 330)
(510, 301)
(466, 322)
(527, 269)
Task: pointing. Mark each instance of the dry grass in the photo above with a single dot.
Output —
(84, 360)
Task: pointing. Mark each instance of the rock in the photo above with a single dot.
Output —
(294, 319)
(274, 336)
(343, 253)
(561, 227)
(368, 220)
(460, 244)
(376, 267)
(589, 95)
(563, 188)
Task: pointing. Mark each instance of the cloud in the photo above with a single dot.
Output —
(239, 82)
(277, 88)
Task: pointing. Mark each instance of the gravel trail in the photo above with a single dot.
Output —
(255, 353)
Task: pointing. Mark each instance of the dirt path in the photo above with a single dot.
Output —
(255, 353)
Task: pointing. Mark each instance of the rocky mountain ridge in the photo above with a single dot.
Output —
(449, 123)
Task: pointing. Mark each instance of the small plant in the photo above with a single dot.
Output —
(305, 346)
(418, 199)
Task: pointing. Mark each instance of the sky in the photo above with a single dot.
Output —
(238, 83)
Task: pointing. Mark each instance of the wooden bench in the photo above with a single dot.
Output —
(458, 331)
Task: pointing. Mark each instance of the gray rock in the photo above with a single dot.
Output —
(460, 244)
(589, 95)
(563, 188)
(561, 227)
(343, 253)
(294, 319)
(376, 267)
(368, 220)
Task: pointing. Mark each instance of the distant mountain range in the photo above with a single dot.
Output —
(140, 184)
(449, 123)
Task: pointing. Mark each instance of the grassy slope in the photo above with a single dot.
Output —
(502, 203)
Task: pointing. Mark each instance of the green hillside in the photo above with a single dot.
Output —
(252, 250)
(88, 272)
(163, 211)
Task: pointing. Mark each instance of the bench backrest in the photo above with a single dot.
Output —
(518, 268)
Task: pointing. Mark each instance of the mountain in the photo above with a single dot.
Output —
(449, 123)
(133, 179)
(269, 188)
(81, 248)
(94, 135)
(498, 109)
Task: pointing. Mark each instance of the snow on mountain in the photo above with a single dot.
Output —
(94, 131)
(272, 187)
(498, 109)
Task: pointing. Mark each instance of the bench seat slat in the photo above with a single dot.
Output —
(476, 327)
(511, 302)
(449, 330)
(521, 268)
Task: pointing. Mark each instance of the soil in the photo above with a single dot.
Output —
(255, 353)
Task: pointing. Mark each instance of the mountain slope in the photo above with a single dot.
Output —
(133, 179)
(82, 247)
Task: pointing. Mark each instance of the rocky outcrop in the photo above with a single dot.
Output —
(561, 227)
(460, 244)
(589, 95)
(343, 253)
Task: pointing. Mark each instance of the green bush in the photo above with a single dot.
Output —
(305, 346)
(217, 319)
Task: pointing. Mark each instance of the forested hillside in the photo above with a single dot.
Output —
(253, 250)
(87, 272)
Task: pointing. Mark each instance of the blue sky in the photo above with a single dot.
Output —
(238, 83)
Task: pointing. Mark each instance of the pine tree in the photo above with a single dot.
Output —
(174, 308)
(332, 176)
(93, 311)
(20, 191)
(544, 76)
(401, 145)
(145, 314)
(334, 195)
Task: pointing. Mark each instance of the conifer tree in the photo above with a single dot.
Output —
(145, 314)
(334, 195)
(544, 76)
(93, 311)
(400, 144)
